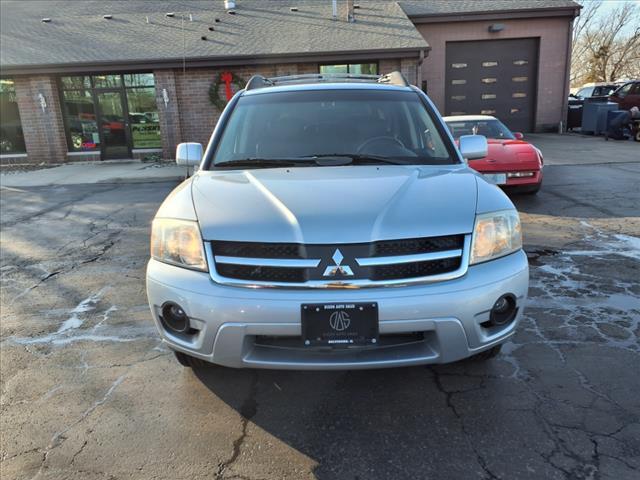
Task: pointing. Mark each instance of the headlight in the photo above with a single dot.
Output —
(178, 242)
(495, 235)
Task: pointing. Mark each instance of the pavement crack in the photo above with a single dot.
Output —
(59, 438)
(448, 398)
(248, 409)
(73, 459)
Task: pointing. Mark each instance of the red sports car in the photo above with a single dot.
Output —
(511, 162)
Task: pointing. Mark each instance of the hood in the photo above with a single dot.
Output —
(349, 204)
(510, 154)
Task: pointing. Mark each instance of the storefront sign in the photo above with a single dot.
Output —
(146, 135)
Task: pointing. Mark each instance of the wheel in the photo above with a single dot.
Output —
(189, 361)
(488, 354)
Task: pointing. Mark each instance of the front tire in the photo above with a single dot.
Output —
(488, 354)
(189, 361)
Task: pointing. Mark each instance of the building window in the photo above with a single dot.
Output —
(82, 124)
(354, 68)
(107, 81)
(80, 114)
(143, 110)
(11, 136)
(96, 109)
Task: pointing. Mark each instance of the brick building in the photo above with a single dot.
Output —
(99, 80)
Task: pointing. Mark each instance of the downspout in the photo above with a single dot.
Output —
(419, 70)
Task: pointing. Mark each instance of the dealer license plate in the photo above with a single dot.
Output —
(339, 324)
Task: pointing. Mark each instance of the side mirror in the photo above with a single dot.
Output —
(473, 147)
(518, 135)
(189, 154)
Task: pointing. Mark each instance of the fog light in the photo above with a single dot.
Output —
(174, 318)
(503, 311)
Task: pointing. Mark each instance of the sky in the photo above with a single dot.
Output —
(609, 5)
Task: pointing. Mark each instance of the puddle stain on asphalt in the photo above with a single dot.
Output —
(565, 288)
(70, 330)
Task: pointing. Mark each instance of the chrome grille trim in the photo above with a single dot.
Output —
(268, 262)
(399, 259)
(341, 284)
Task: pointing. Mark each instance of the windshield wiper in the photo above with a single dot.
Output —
(321, 160)
(357, 158)
(265, 162)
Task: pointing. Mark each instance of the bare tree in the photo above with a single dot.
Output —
(606, 48)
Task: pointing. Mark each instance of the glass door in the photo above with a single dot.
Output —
(114, 127)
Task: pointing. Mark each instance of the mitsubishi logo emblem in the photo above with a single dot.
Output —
(333, 270)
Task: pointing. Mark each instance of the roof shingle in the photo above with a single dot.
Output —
(78, 33)
(418, 8)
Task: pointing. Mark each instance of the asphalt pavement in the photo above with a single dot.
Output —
(88, 391)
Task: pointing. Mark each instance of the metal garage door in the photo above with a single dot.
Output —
(493, 77)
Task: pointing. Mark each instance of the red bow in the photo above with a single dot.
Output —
(226, 77)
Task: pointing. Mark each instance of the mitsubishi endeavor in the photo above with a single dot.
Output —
(332, 223)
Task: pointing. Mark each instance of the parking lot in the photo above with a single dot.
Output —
(88, 392)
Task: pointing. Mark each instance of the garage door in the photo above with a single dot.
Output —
(493, 77)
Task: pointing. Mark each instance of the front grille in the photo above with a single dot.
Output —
(413, 270)
(417, 245)
(262, 274)
(258, 250)
(356, 264)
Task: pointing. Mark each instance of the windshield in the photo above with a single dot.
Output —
(344, 123)
(489, 128)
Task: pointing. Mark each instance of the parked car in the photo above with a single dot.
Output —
(595, 90)
(511, 162)
(333, 224)
(627, 96)
(576, 101)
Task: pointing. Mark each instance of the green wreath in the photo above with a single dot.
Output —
(214, 90)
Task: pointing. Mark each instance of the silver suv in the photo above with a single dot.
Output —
(333, 224)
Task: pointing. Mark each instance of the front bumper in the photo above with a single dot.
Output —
(230, 323)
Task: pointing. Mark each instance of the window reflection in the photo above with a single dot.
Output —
(107, 81)
(81, 120)
(143, 117)
(355, 68)
(11, 136)
(80, 94)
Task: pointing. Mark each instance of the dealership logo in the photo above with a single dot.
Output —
(339, 320)
(333, 270)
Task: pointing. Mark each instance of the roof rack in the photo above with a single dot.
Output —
(393, 78)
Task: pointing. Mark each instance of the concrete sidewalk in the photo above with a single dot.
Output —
(94, 172)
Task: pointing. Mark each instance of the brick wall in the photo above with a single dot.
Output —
(197, 115)
(169, 112)
(553, 35)
(43, 130)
